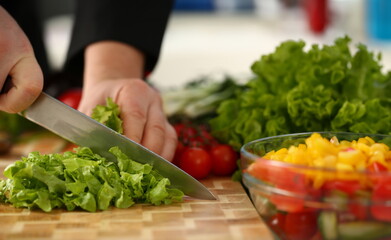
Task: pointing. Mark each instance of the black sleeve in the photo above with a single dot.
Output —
(27, 15)
(140, 23)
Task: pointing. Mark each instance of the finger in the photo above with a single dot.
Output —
(27, 83)
(134, 112)
(170, 143)
(155, 128)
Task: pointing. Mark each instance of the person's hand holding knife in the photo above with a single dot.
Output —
(112, 69)
(18, 66)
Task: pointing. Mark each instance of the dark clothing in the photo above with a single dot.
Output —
(140, 23)
(26, 13)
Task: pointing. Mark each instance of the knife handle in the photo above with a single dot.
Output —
(7, 85)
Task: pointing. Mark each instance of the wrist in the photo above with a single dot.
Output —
(112, 60)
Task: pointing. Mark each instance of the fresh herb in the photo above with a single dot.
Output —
(198, 99)
(108, 115)
(83, 180)
(327, 88)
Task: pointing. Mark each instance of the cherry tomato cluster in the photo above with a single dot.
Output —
(199, 154)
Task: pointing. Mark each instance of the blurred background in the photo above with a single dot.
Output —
(215, 37)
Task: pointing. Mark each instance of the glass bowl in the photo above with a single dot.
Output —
(314, 202)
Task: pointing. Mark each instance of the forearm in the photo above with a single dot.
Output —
(112, 60)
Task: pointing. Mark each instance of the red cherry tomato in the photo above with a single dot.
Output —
(186, 133)
(285, 179)
(381, 193)
(178, 152)
(277, 223)
(196, 162)
(349, 187)
(281, 177)
(317, 236)
(178, 128)
(223, 159)
(301, 225)
(287, 203)
(71, 97)
(197, 142)
(207, 137)
(360, 211)
(376, 167)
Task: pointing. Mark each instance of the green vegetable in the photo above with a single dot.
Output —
(198, 98)
(327, 222)
(108, 115)
(85, 180)
(14, 124)
(363, 230)
(327, 88)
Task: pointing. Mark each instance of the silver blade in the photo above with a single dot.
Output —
(84, 131)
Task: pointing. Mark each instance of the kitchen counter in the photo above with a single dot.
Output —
(231, 216)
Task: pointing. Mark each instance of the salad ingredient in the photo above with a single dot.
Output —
(14, 125)
(343, 184)
(376, 167)
(71, 97)
(382, 193)
(322, 152)
(327, 88)
(198, 98)
(196, 162)
(223, 159)
(299, 226)
(108, 115)
(328, 221)
(277, 222)
(83, 179)
(198, 153)
(363, 230)
(332, 230)
(348, 187)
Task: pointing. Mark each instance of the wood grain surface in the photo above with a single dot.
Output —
(231, 216)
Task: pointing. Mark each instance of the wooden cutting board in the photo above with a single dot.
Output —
(231, 216)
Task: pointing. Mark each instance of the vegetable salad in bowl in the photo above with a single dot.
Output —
(321, 185)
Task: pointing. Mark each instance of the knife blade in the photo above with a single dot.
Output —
(82, 130)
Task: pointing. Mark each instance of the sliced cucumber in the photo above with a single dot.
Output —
(362, 230)
(327, 222)
(338, 199)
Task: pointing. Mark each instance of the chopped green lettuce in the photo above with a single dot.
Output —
(108, 115)
(326, 88)
(83, 179)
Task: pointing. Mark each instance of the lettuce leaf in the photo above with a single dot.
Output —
(108, 115)
(324, 88)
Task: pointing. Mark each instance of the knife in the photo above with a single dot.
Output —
(82, 130)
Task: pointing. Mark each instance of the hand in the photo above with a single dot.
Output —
(142, 113)
(17, 61)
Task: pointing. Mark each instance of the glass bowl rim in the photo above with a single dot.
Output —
(244, 152)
